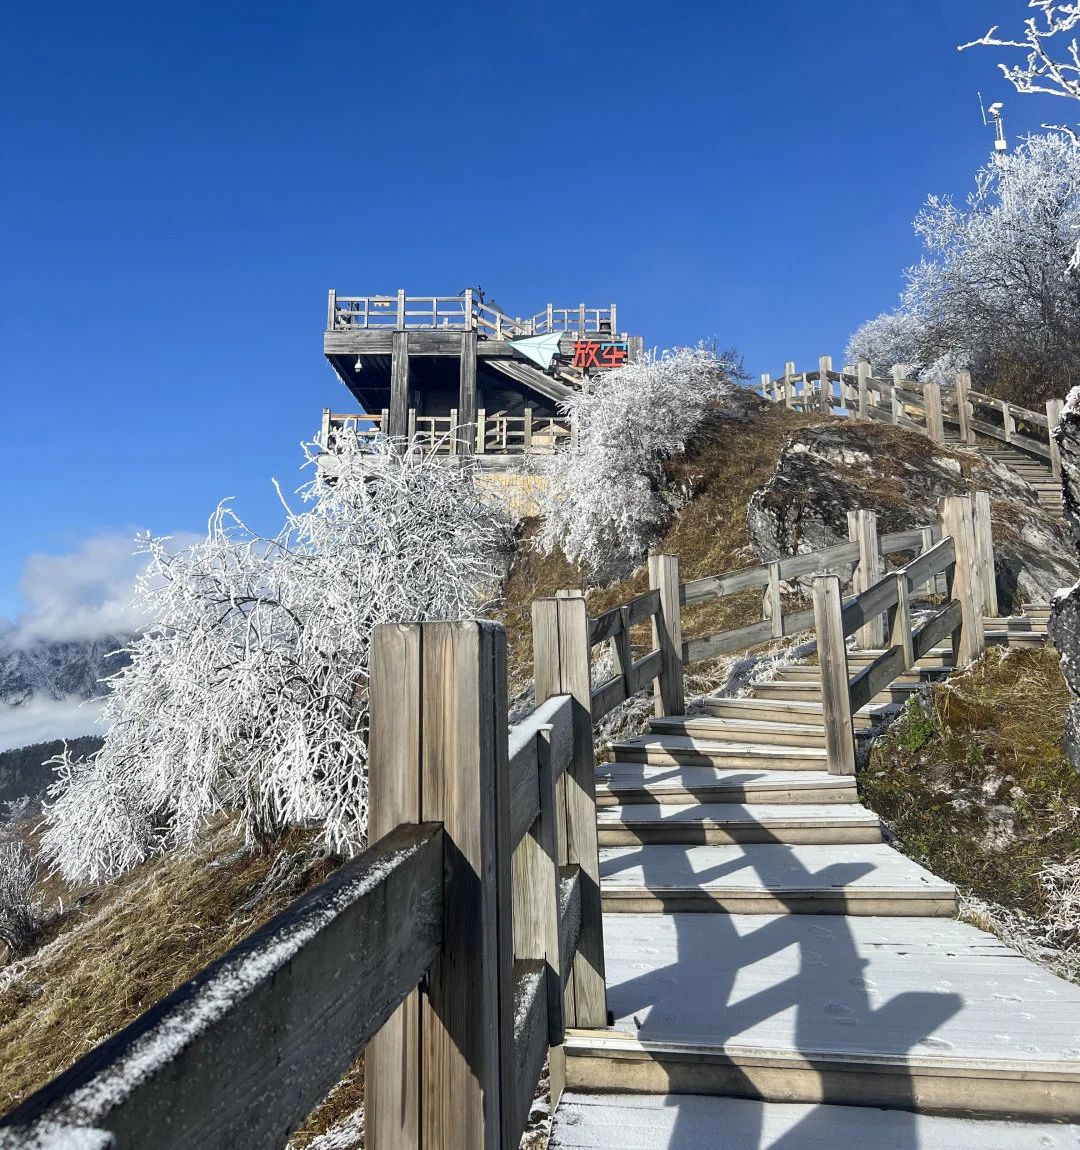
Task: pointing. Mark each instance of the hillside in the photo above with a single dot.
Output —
(116, 950)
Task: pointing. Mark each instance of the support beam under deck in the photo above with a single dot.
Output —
(399, 385)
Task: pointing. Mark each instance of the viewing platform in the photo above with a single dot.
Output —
(431, 365)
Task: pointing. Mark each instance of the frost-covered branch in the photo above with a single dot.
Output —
(1041, 72)
(248, 692)
(606, 502)
(19, 911)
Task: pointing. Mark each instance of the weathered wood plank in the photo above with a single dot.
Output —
(530, 1041)
(725, 642)
(392, 1059)
(668, 694)
(984, 552)
(936, 628)
(607, 696)
(399, 385)
(835, 696)
(872, 603)
(643, 607)
(863, 530)
(467, 393)
(644, 671)
(876, 677)
(236, 1058)
(605, 626)
(569, 915)
(956, 522)
(932, 562)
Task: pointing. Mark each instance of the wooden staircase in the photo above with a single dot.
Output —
(777, 973)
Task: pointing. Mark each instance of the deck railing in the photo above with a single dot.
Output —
(918, 405)
(465, 312)
(495, 433)
(446, 949)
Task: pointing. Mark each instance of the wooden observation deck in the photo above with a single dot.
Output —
(461, 370)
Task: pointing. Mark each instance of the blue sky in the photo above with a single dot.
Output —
(183, 183)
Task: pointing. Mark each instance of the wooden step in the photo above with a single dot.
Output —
(920, 1014)
(811, 692)
(694, 1122)
(913, 678)
(739, 730)
(842, 879)
(663, 749)
(620, 783)
(724, 824)
(781, 710)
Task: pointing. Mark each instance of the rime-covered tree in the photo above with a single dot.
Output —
(994, 290)
(247, 695)
(606, 502)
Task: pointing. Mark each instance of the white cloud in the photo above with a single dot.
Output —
(39, 720)
(83, 594)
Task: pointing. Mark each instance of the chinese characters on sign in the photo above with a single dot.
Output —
(599, 354)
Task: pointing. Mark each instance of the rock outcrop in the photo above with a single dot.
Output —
(827, 470)
(1065, 611)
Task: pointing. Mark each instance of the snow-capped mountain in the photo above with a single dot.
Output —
(67, 669)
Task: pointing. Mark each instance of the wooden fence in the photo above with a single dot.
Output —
(456, 949)
(495, 433)
(919, 406)
(465, 312)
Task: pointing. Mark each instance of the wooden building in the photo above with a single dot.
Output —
(462, 371)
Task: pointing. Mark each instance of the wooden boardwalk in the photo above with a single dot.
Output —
(779, 977)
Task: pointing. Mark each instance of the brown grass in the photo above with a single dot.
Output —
(123, 948)
(975, 782)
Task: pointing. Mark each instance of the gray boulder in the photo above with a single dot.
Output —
(827, 470)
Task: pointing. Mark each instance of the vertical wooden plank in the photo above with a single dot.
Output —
(400, 323)
(931, 585)
(789, 384)
(935, 423)
(481, 431)
(1053, 418)
(399, 385)
(467, 390)
(392, 1058)
(984, 552)
(773, 602)
(527, 429)
(331, 310)
(963, 406)
(898, 379)
(621, 653)
(614, 320)
(636, 348)
(455, 435)
(324, 434)
(667, 636)
(412, 424)
(825, 398)
(864, 375)
(835, 689)
(561, 666)
(900, 622)
(956, 522)
(467, 1010)
(863, 529)
(536, 891)
(1009, 422)
(766, 385)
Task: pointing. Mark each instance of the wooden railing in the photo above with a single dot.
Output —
(918, 405)
(446, 949)
(960, 619)
(465, 312)
(497, 433)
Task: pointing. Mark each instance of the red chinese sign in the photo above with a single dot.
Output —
(595, 354)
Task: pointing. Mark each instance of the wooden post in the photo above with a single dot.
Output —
(614, 321)
(536, 897)
(455, 444)
(864, 375)
(766, 385)
(527, 429)
(863, 529)
(400, 323)
(481, 431)
(789, 384)
(825, 398)
(773, 603)
(930, 587)
(897, 379)
(668, 698)
(561, 667)
(963, 406)
(900, 622)
(550, 318)
(324, 437)
(984, 552)
(935, 419)
(467, 390)
(399, 384)
(835, 689)
(964, 585)
(331, 310)
(438, 1075)
(1008, 421)
(1053, 418)
(581, 322)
